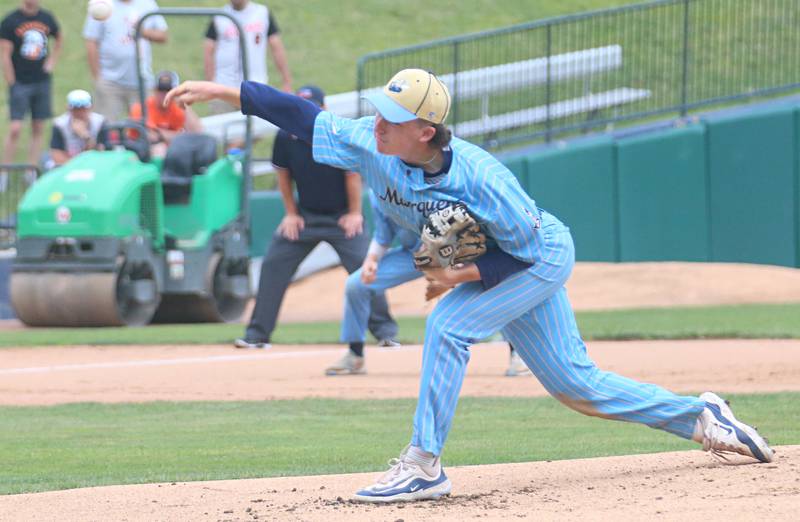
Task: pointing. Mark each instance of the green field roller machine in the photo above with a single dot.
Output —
(116, 237)
(112, 238)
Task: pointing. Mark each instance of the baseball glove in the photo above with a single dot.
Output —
(450, 236)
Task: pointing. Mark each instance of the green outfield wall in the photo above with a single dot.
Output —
(555, 173)
(723, 188)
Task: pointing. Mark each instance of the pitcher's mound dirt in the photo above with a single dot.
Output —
(667, 486)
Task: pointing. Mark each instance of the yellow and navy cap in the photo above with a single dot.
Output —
(412, 94)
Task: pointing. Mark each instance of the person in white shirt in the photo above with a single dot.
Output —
(111, 52)
(222, 61)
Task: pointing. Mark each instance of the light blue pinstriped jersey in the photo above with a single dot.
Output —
(387, 232)
(491, 192)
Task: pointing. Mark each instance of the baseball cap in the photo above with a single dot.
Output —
(312, 93)
(167, 80)
(412, 94)
(79, 99)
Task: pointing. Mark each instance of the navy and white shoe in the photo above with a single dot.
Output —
(722, 433)
(406, 481)
(244, 342)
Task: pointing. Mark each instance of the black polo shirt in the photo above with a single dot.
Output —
(320, 188)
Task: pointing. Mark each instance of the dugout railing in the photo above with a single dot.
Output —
(674, 56)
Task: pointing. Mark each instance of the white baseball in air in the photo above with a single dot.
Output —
(100, 9)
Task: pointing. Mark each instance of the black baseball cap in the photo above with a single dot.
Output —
(167, 80)
(312, 93)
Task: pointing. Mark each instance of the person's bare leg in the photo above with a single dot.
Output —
(12, 139)
(37, 137)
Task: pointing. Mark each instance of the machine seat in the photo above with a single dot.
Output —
(188, 155)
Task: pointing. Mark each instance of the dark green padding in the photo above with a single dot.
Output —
(576, 183)
(519, 166)
(663, 196)
(752, 179)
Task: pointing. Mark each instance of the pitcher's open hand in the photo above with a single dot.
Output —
(192, 92)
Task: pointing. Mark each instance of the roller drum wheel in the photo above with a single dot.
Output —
(127, 297)
(137, 295)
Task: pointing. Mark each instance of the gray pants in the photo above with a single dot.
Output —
(281, 262)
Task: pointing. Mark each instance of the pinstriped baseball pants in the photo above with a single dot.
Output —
(532, 311)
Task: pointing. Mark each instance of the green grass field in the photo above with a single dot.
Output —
(777, 321)
(80, 445)
(323, 39)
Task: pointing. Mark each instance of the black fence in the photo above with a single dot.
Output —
(588, 71)
(14, 181)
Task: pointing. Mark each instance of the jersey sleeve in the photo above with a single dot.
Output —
(92, 29)
(495, 265)
(509, 215)
(6, 30)
(291, 113)
(54, 27)
(57, 141)
(341, 142)
(155, 22)
(211, 31)
(273, 25)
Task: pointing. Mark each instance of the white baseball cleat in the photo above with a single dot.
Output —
(516, 366)
(406, 481)
(723, 433)
(389, 343)
(350, 364)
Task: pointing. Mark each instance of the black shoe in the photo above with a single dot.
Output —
(251, 343)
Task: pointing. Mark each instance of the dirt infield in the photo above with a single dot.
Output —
(673, 486)
(176, 373)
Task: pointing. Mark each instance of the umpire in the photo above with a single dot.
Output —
(328, 209)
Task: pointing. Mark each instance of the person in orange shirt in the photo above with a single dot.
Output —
(164, 123)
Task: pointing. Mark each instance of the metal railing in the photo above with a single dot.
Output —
(15, 178)
(588, 71)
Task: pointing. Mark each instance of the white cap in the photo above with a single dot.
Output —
(79, 99)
